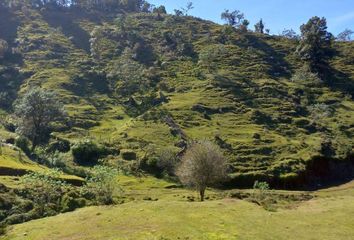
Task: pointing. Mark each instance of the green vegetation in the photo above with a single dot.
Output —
(144, 81)
(138, 86)
(315, 45)
(102, 184)
(203, 165)
(87, 153)
(173, 216)
(35, 112)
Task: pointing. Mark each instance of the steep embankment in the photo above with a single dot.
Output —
(121, 77)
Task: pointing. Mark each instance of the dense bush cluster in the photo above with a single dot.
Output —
(87, 152)
(47, 194)
(44, 194)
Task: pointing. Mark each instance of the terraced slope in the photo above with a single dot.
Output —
(142, 82)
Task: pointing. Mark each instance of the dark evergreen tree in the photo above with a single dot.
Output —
(315, 45)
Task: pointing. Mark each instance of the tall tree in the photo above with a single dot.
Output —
(315, 45)
(202, 166)
(259, 27)
(35, 113)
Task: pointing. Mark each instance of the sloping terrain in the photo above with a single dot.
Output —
(142, 82)
(171, 216)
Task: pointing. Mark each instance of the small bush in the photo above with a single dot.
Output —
(5, 204)
(306, 77)
(23, 144)
(45, 190)
(102, 184)
(167, 161)
(15, 219)
(262, 197)
(26, 206)
(87, 153)
(61, 145)
(72, 201)
(128, 155)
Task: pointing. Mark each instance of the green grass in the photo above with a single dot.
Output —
(328, 216)
(14, 164)
(14, 159)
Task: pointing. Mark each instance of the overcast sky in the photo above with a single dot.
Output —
(277, 14)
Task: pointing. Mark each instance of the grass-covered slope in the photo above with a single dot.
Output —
(170, 216)
(13, 162)
(151, 82)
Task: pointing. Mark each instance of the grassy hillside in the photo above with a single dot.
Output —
(171, 216)
(125, 78)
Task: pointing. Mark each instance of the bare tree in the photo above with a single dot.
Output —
(345, 36)
(202, 166)
(188, 8)
(234, 18)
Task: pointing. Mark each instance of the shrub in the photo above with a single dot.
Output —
(15, 219)
(87, 153)
(72, 201)
(306, 77)
(44, 189)
(23, 144)
(53, 159)
(103, 184)
(128, 155)
(61, 145)
(320, 111)
(261, 188)
(167, 161)
(5, 204)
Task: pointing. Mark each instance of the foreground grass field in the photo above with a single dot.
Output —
(329, 215)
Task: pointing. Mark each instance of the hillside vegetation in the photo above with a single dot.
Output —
(119, 103)
(139, 83)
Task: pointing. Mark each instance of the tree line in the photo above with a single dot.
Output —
(106, 5)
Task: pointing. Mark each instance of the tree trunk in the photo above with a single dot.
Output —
(202, 193)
